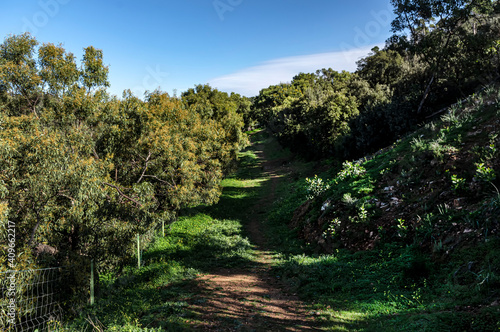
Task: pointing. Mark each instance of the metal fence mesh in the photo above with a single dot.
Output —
(29, 300)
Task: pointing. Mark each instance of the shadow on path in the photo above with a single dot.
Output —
(251, 299)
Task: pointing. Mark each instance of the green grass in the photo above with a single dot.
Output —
(155, 295)
(369, 290)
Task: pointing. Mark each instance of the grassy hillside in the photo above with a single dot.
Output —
(405, 239)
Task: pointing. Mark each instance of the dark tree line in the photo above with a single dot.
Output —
(440, 52)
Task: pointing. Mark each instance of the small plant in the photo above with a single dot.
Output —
(479, 102)
(417, 144)
(491, 148)
(401, 228)
(445, 211)
(424, 228)
(438, 246)
(444, 131)
(381, 232)
(439, 149)
(332, 228)
(363, 213)
(431, 126)
(496, 197)
(350, 169)
(315, 187)
(484, 173)
(457, 183)
(451, 117)
(348, 199)
(488, 152)
(384, 171)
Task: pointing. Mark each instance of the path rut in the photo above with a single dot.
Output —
(252, 299)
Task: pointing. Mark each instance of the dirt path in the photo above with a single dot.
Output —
(251, 299)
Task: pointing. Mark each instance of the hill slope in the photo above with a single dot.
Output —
(411, 230)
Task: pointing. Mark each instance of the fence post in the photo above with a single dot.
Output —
(163, 227)
(138, 252)
(92, 282)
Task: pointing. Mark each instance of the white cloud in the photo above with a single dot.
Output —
(249, 81)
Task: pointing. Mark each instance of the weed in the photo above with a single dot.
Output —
(451, 118)
(439, 150)
(457, 183)
(350, 170)
(488, 152)
(331, 230)
(444, 209)
(348, 199)
(484, 173)
(315, 187)
(436, 146)
(417, 144)
(363, 213)
(402, 229)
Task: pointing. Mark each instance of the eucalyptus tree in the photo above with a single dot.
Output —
(434, 28)
(19, 76)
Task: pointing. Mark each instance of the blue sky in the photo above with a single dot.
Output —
(234, 45)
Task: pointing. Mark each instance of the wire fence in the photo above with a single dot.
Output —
(30, 300)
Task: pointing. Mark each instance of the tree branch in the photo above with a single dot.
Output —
(95, 154)
(426, 93)
(145, 167)
(122, 194)
(33, 232)
(160, 180)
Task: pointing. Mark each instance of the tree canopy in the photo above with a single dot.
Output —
(441, 51)
(85, 172)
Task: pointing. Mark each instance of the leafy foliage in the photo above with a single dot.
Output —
(441, 51)
(310, 114)
(85, 172)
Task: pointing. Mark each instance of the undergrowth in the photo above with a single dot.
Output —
(406, 239)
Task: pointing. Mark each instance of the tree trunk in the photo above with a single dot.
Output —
(426, 93)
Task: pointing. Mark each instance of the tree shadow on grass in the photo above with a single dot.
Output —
(235, 203)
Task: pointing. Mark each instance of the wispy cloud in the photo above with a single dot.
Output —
(249, 81)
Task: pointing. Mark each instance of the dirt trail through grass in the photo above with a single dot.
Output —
(250, 298)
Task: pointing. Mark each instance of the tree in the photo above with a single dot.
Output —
(212, 104)
(382, 67)
(310, 114)
(86, 172)
(433, 26)
(58, 69)
(18, 72)
(94, 72)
